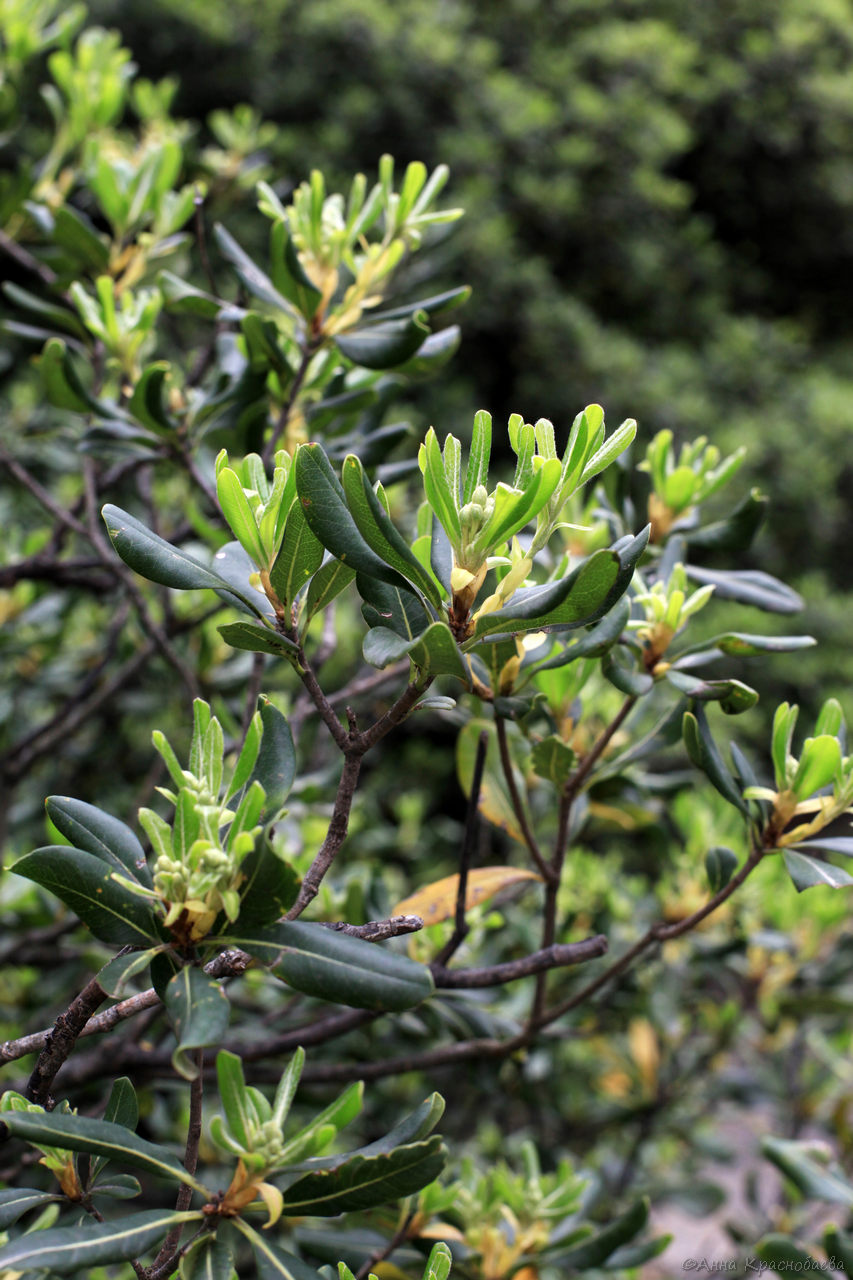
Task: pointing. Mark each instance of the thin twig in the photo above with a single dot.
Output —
(376, 930)
(386, 1250)
(466, 853)
(60, 1041)
(518, 808)
(335, 836)
(558, 956)
(165, 1261)
(26, 260)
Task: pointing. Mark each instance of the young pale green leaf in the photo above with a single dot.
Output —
(444, 502)
(154, 558)
(820, 761)
(324, 503)
(610, 450)
(98, 1138)
(380, 534)
(198, 1010)
(234, 1097)
(85, 884)
(241, 519)
(257, 639)
(15, 1203)
(784, 722)
(298, 559)
(75, 1249)
(477, 471)
(333, 966)
(434, 652)
(595, 1251)
(99, 833)
(807, 872)
(362, 1182)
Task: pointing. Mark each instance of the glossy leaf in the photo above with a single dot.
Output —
(99, 833)
(596, 1250)
(158, 560)
(333, 966)
(748, 586)
(298, 559)
(379, 532)
(275, 767)
(720, 865)
(437, 901)
(328, 515)
(98, 1138)
(733, 696)
(434, 652)
(147, 404)
(115, 975)
(207, 1259)
(257, 639)
(384, 345)
(328, 582)
(85, 884)
(807, 872)
(15, 1203)
(394, 608)
(269, 888)
(73, 1249)
(832, 844)
(362, 1182)
(199, 1011)
(117, 1186)
(704, 753)
(256, 281)
(273, 1263)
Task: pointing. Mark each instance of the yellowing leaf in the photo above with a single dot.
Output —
(645, 1051)
(438, 900)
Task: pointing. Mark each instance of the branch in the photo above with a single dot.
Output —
(60, 1040)
(165, 1261)
(466, 853)
(518, 808)
(377, 930)
(335, 836)
(26, 260)
(554, 957)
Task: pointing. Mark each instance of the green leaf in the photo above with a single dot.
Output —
(627, 679)
(98, 1138)
(417, 1125)
(334, 966)
(114, 976)
(238, 512)
(554, 759)
(434, 651)
(74, 1249)
(329, 581)
(15, 1203)
(748, 586)
(99, 833)
(256, 281)
(399, 610)
(62, 383)
(257, 639)
(444, 502)
(439, 304)
(781, 1253)
(597, 641)
(198, 1010)
(84, 883)
(820, 762)
(807, 872)
(839, 1245)
(147, 404)
(733, 696)
(122, 1108)
(799, 1161)
(298, 559)
(269, 889)
(384, 345)
(47, 310)
(703, 752)
(234, 1097)
(329, 517)
(362, 1182)
(74, 232)
(273, 1263)
(720, 865)
(275, 767)
(736, 531)
(159, 561)
(595, 1251)
(207, 1259)
(739, 645)
(185, 299)
(477, 471)
(610, 450)
(433, 353)
(379, 532)
(118, 1186)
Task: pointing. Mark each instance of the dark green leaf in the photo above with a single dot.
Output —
(807, 872)
(74, 232)
(273, 1263)
(269, 889)
(598, 1248)
(184, 298)
(436, 305)
(738, 645)
(118, 1186)
(380, 534)
(597, 640)
(147, 404)
(288, 273)
(782, 1253)
(83, 882)
(99, 833)
(122, 1107)
(257, 639)
(554, 759)
(720, 865)
(392, 607)
(703, 752)
(434, 651)
(198, 1010)
(736, 531)
(256, 281)
(384, 345)
(158, 560)
(748, 586)
(13, 1204)
(733, 696)
(99, 1138)
(49, 311)
(62, 382)
(75, 1249)
(333, 966)
(811, 1176)
(417, 1125)
(115, 975)
(833, 844)
(364, 1181)
(207, 1259)
(628, 680)
(839, 1245)
(326, 511)
(275, 767)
